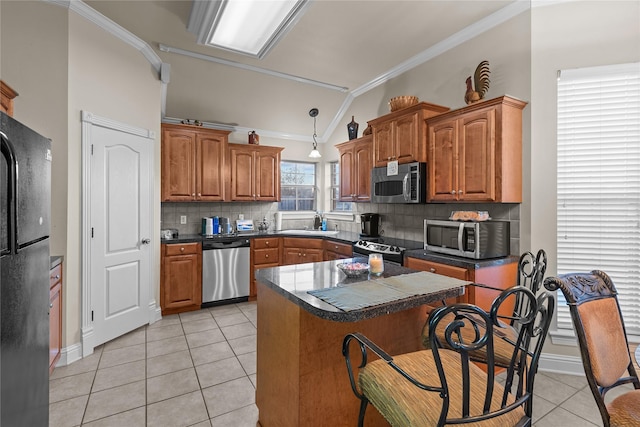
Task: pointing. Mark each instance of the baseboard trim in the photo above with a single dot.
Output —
(70, 354)
(556, 363)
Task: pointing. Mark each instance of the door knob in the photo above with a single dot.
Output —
(146, 241)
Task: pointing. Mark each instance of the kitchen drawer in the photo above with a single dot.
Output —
(297, 242)
(438, 268)
(265, 243)
(266, 256)
(182, 249)
(55, 275)
(338, 248)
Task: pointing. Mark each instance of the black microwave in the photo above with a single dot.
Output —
(406, 184)
(474, 239)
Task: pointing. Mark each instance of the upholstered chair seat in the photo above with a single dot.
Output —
(403, 405)
(441, 386)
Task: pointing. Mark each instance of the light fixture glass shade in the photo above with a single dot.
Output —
(315, 154)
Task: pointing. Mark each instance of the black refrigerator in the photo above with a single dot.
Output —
(25, 204)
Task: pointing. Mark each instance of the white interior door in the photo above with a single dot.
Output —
(120, 223)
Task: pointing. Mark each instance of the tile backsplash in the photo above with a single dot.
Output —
(397, 220)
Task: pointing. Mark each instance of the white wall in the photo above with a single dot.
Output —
(110, 79)
(61, 64)
(568, 35)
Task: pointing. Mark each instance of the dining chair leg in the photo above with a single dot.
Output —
(363, 408)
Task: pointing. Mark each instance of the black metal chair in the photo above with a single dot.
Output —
(597, 319)
(440, 386)
(531, 270)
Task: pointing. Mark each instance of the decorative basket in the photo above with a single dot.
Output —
(400, 102)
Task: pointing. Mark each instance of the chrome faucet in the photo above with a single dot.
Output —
(317, 222)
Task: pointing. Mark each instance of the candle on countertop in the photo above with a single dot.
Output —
(376, 264)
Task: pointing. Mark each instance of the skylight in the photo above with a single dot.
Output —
(250, 27)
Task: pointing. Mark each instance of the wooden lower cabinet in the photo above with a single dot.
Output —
(55, 316)
(181, 278)
(499, 276)
(297, 250)
(265, 252)
(335, 250)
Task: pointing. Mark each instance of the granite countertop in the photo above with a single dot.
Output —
(55, 260)
(467, 263)
(294, 281)
(342, 236)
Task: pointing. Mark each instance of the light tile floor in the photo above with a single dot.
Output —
(199, 369)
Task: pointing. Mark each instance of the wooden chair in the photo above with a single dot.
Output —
(439, 386)
(597, 319)
(531, 270)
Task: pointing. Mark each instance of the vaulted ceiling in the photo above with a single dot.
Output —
(337, 51)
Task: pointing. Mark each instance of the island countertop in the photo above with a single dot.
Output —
(295, 281)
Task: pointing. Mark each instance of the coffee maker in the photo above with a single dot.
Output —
(370, 224)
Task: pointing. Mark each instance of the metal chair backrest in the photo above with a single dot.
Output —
(531, 272)
(532, 324)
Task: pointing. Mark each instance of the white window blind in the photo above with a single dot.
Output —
(599, 181)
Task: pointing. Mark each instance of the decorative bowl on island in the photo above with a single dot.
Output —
(354, 267)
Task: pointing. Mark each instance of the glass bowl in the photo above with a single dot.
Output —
(354, 267)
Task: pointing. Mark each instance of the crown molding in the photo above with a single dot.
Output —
(90, 14)
(450, 42)
(215, 59)
(473, 30)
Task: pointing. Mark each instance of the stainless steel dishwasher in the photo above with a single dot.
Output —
(225, 270)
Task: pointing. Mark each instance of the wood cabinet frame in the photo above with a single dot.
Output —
(401, 135)
(194, 166)
(356, 162)
(180, 277)
(254, 172)
(475, 153)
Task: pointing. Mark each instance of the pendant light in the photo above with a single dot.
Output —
(315, 154)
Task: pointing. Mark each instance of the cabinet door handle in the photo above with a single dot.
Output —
(433, 270)
(199, 194)
(146, 241)
(56, 277)
(50, 305)
(453, 192)
(459, 191)
(266, 256)
(182, 249)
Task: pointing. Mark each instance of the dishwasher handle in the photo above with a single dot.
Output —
(240, 243)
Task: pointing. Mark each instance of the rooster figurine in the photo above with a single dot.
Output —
(480, 83)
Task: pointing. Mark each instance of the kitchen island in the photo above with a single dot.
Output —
(301, 374)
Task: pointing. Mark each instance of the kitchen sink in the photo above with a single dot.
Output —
(310, 232)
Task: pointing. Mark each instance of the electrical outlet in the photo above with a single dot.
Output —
(183, 219)
(358, 219)
(240, 217)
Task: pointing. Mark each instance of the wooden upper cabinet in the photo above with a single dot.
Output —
(401, 135)
(356, 162)
(6, 98)
(475, 153)
(210, 166)
(255, 172)
(193, 163)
